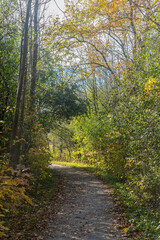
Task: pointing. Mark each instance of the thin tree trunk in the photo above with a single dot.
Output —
(94, 93)
(20, 133)
(135, 39)
(34, 61)
(24, 51)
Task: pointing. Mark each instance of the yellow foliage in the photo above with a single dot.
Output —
(151, 84)
(12, 196)
(125, 229)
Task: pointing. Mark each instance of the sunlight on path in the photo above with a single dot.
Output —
(86, 213)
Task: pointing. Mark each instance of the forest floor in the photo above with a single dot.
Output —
(84, 208)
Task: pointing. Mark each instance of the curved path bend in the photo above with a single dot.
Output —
(86, 211)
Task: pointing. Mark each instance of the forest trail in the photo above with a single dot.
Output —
(85, 211)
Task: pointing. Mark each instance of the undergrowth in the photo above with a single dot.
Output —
(27, 217)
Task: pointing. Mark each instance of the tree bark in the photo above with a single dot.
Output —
(34, 60)
(23, 64)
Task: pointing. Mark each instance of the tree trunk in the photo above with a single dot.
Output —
(34, 60)
(20, 133)
(23, 64)
(135, 39)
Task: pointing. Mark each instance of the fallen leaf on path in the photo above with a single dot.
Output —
(125, 229)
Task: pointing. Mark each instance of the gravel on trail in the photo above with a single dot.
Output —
(87, 210)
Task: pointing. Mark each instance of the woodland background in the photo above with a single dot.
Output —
(84, 88)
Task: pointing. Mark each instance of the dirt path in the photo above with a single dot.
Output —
(86, 212)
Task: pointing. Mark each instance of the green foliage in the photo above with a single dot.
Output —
(9, 67)
(136, 115)
(123, 138)
(101, 143)
(38, 156)
(60, 101)
(142, 220)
